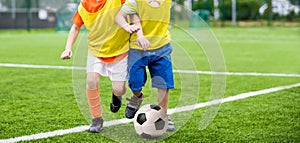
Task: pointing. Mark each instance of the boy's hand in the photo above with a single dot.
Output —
(130, 28)
(144, 43)
(67, 54)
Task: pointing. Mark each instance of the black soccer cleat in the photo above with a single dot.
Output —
(115, 103)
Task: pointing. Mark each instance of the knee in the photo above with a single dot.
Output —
(119, 91)
(92, 82)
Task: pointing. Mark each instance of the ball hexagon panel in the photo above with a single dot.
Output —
(152, 115)
(138, 128)
(149, 128)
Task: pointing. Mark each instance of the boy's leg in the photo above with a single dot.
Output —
(137, 63)
(135, 84)
(118, 74)
(163, 100)
(119, 90)
(94, 102)
(161, 72)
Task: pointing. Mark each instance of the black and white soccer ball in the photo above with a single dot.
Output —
(150, 121)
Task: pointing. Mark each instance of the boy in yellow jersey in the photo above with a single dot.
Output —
(107, 52)
(149, 46)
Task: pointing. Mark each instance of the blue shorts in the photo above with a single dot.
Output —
(159, 64)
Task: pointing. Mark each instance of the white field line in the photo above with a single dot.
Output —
(170, 111)
(40, 66)
(175, 71)
(231, 98)
(237, 73)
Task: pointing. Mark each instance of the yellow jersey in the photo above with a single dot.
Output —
(105, 38)
(155, 19)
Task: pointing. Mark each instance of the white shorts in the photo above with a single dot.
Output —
(116, 71)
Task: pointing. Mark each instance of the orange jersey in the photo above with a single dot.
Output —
(113, 59)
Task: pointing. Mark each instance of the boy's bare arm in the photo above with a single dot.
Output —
(142, 41)
(120, 19)
(135, 20)
(73, 34)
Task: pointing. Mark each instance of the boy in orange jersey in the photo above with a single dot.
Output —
(149, 47)
(107, 52)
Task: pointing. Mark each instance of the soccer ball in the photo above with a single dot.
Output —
(150, 121)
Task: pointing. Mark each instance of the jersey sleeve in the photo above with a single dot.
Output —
(129, 7)
(77, 19)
